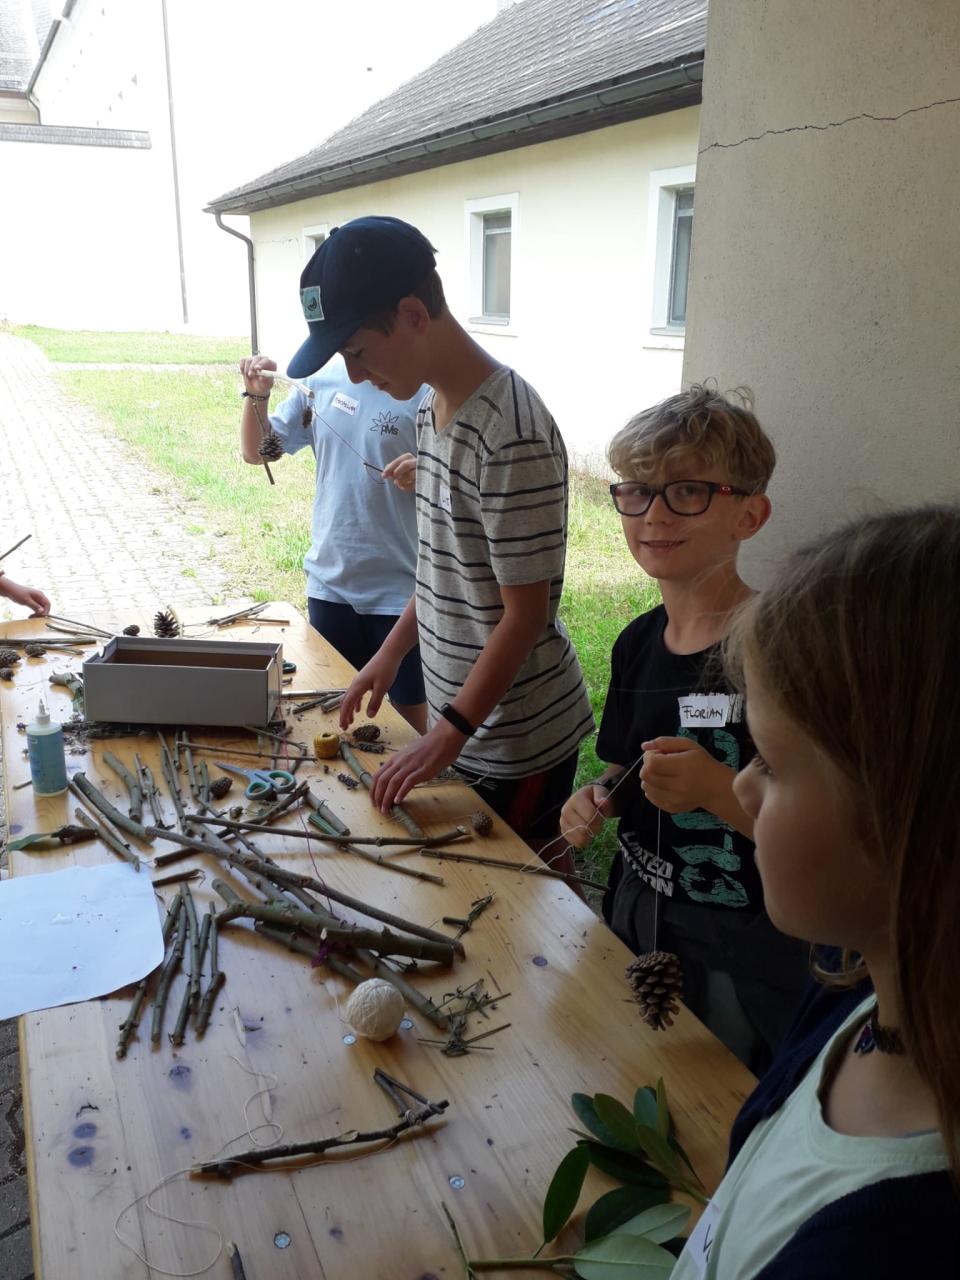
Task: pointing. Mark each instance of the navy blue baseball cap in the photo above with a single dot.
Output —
(364, 265)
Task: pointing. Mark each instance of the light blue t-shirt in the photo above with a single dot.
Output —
(363, 551)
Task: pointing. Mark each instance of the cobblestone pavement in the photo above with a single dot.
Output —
(108, 536)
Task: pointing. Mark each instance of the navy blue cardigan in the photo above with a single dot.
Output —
(895, 1229)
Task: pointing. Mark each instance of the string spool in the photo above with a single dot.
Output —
(326, 745)
(375, 1009)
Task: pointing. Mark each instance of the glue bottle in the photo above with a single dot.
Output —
(48, 758)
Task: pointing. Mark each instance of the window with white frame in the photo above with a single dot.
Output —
(491, 243)
(313, 238)
(669, 236)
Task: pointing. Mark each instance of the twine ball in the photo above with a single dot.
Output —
(375, 1009)
(326, 746)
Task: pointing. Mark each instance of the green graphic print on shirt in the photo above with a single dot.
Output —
(708, 874)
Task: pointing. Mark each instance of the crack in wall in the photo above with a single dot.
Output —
(831, 124)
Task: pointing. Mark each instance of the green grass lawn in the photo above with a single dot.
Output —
(88, 346)
(186, 427)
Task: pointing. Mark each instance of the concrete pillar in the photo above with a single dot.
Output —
(825, 267)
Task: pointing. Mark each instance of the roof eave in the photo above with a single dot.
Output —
(653, 93)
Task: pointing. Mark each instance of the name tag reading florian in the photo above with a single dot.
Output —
(704, 710)
(346, 404)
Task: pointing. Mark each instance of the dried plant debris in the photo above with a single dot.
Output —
(271, 447)
(132, 630)
(350, 783)
(458, 1006)
(166, 624)
(481, 822)
(219, 787)
(366, 733)
(657, 984)
(9, 657)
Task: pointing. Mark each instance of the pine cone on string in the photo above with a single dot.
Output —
(307, 418)
(271, 447)
(366, 733)
(656, 981)
(219, 787)
(481, 822)
(9, 657)
(34, 650)
(166, 624)
(132, 630)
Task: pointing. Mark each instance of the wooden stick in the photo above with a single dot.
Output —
(424, 842)
(526, 868)
(81, 785)
(366, 777)
(236, 1262)
(170, 966)
(217, 977)
(16, 545)
(107, 836)
(131, 781)
(277, 376)
(84, 626)
(130, 1023)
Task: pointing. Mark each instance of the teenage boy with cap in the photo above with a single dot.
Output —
(505, 692)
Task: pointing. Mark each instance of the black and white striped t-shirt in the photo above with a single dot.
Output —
(492, 509)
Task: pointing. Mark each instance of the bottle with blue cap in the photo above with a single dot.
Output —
(48, 757)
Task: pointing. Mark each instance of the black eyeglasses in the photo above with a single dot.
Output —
(683, 497)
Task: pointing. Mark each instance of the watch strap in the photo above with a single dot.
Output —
(459, 722)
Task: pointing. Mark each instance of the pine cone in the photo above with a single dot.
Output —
(166, 624)
(9, 657)
(7, 673)
(307, 418)
(236, 813)
(656, 982)
(481, 822)
(132, 630)
(34, 650)
(271, 447)
(219, 787)
(366, 733)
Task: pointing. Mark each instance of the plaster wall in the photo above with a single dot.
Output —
(582, 264)
(825, 250)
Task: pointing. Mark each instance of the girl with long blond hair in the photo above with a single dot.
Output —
(845, 1162)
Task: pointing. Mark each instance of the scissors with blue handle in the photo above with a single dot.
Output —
(263, 782)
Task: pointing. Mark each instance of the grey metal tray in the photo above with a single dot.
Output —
(142, 680)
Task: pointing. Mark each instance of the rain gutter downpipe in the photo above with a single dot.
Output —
(251, 280)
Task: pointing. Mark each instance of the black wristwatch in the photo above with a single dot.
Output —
(457, 720)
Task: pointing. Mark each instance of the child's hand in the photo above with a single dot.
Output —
(30, 597)
(679, 775)
(584, 814)
(402, 471)
(375, 678)
(250, 367)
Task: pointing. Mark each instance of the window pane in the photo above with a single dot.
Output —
(680, 261)
(496, 265)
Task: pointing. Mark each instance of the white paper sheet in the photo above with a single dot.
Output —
(75, 934)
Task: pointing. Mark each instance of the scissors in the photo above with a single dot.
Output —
(263, 782)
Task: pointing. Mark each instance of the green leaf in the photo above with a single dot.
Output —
(620, 1206)
(564, 1191)
(659, 1223)
(618, 1120)
(583, 1105)
(645, 1107)
(686, 1160)
(664, 1125)
(657, 1151)
(620, 1257)
(632, 1169)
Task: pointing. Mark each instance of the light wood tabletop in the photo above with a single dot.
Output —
(103, 1132)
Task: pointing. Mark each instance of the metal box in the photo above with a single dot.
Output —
(142, 680)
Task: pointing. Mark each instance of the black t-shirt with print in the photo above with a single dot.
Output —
(701, 859)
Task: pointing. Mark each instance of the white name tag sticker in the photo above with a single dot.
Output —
(445, 501)
(346, 404)
(704, 710)
(701, 1239)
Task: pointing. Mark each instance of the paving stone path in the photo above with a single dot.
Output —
(108, 536)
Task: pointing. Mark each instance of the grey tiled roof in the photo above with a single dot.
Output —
(533, 54)
(23, 28)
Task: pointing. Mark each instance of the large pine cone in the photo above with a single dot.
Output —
(271, 447)
(166, 624)
(657, 982)
(8, 657)
(219, 787)
(366, 733)
(481, 822)
(132, 630)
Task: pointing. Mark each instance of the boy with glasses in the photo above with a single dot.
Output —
(694, 473)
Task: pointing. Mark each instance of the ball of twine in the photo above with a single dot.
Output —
(375, 1009)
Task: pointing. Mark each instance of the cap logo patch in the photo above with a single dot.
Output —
(310, 301)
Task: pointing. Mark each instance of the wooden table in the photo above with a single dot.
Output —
(277, 1023)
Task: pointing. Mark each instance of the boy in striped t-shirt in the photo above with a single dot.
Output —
(505, 693)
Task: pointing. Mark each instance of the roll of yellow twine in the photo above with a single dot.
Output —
(326, 745)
